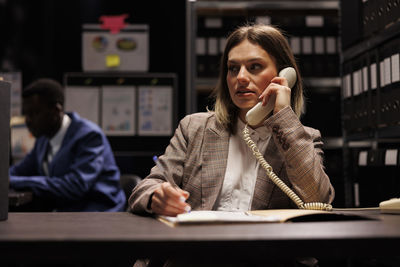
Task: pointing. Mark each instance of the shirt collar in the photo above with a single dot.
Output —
(261, 132)
(58, 138)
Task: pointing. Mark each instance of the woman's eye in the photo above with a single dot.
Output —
(233, 69)
(255, 66)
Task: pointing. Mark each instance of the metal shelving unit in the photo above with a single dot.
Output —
(195, 84)
(370, 149)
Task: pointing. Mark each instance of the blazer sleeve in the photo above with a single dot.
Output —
(173, 163)
(302, 150)
(82, 167)
(27, 165)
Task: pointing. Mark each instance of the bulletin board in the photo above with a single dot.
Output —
(137, 112)
(124, 104)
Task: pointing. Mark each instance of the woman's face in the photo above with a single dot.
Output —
(250, 70)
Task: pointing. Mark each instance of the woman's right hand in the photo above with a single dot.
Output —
(170, 201)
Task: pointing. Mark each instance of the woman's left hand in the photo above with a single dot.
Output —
(278, 87)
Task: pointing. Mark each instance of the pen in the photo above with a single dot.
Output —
(166, 174)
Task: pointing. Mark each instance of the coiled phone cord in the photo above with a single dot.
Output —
(289, 192)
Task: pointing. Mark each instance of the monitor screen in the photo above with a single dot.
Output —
(5, 88)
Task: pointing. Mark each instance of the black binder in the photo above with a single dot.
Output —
(394, 87)
(356, 96)
(395, 11)
(352, 22)
(387, 110)
(348, 106)
(373, 118)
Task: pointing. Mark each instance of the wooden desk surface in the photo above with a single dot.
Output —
(79, 237)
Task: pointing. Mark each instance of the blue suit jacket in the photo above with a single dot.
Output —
(83, 175)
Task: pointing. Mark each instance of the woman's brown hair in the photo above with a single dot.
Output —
(276, 45)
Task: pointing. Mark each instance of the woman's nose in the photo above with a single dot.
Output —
(243, 75)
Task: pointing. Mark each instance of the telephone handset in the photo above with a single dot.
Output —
(258, 113)
(255, 117)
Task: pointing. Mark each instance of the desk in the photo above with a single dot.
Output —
(113, 237)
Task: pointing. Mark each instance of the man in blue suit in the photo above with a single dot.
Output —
(71, 167)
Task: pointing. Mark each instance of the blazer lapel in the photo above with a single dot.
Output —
(264, 184)
(273, 157)
(215, 157)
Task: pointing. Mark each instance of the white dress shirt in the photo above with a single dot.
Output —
(241, 170)
(56, 142)
(57, 139)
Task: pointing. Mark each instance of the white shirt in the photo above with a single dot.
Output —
(58, 138)
(241, 170)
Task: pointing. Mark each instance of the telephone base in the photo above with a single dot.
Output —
(390, 206)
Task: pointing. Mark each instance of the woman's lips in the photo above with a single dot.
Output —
(244, 92)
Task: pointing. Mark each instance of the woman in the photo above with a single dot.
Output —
(207, 157)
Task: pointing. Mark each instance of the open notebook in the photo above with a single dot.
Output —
(256, 216)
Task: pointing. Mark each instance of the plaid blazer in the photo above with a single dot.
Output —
(197, 156)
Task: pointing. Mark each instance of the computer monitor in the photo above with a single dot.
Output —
(5, 89)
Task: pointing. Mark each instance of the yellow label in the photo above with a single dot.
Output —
(112, 61)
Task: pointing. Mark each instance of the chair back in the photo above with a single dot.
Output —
(128, 183)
